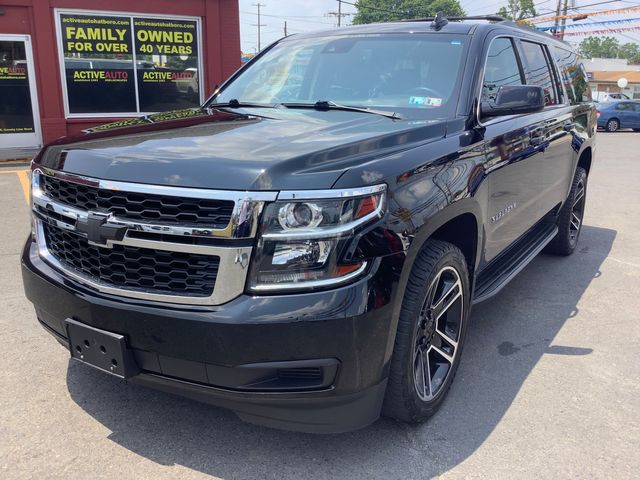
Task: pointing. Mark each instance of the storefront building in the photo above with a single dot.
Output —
(67, 65)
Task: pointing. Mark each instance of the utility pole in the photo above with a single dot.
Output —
(259, 25)
(564, 20)
(557, 22)
(339, 14)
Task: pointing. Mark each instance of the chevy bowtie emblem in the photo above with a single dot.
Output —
(98, 229)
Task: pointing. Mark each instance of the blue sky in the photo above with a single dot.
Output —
(307, 15)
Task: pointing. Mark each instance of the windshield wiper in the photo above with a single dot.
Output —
(324, 105)
(235, 103)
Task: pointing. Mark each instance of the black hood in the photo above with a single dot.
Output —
(280, 149)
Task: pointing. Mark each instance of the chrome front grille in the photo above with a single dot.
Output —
(171, 258)
(135, 268)
(167, 209)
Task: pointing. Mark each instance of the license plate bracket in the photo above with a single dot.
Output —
(100, 349)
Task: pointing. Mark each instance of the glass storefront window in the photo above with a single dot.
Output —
(15, 105)
(128, 64)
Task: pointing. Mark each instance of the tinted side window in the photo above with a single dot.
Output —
(501, 68)
(573, 76)
(538, 72)
(625, 106)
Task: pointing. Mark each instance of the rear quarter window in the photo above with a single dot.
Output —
(573, 76)
(539, 71)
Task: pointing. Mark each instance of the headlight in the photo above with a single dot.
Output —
(304, 237)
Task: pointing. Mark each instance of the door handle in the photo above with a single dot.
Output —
(536, 141)
(567, 127)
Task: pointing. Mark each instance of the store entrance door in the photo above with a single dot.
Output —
(19, 117)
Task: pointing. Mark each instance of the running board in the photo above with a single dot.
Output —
(500, 272)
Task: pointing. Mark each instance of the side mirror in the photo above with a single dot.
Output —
(514, 100)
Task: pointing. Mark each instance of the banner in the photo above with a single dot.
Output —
(95, 35)
(165, 37)
(108, 60)
(98, 61)
(169, 78)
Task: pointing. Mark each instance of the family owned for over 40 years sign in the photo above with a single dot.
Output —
(113, 53)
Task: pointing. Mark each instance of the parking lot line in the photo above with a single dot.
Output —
(23, 176)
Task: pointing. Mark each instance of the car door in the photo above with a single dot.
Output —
(636, 116)
(625, 113)
(514, 146)
(554, 169)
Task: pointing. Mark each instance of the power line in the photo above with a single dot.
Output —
(339, 14)
(377, 9)
(259, 25)
(293, 18)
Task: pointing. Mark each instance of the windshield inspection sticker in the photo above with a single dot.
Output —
(426, 101)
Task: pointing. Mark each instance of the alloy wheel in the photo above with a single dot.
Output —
(577, 211)
(438, 333)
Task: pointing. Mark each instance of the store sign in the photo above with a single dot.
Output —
(102, 75)
(175, 42)
(95, 35)
(165, 37)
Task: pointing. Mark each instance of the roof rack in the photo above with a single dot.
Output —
(491, 18)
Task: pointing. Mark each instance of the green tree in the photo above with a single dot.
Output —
(372, 11)
(599, 47)
(518, 9)
(629, 51)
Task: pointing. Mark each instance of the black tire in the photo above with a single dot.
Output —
(437, 263)
(613, 125)
(570, 217)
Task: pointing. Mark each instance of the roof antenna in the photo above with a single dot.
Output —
(439, 21)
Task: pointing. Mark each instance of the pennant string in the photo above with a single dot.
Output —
(605, 31)
(574, 15)
(591, 24)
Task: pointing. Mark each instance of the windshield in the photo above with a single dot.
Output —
(391, 72)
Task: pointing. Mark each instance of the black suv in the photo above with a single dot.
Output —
(305, 248)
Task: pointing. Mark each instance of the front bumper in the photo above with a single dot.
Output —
(231, 355)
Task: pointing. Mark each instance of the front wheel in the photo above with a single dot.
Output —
(613, 125)
(570, 218)
(430, 335)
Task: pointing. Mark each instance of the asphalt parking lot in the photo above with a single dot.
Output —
(549, 385)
